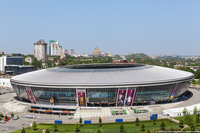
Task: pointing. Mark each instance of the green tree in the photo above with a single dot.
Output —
(77, 128)
(142, 127)
(122, 128)
(189, 121)
(55, 127)
(6, 117)
(154, 120)
(80, 121)
(98, 131)
(12, 115)
(100, 122)
(47, 131)
(23, 130)
(197, 74)
(137, 121)
(181, 124)
(162, 126)
(185, 112)
(186, 69)
(197, 119)
(198, 115)
(34, 125)
(195, 110)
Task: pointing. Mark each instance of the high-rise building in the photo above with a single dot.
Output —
(40, 50)
(55, 49)
(96, 52)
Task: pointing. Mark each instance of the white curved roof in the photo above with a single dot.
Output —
(139, 75)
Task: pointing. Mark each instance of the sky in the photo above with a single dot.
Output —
(152, 27)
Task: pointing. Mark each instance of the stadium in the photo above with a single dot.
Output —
(102, 85)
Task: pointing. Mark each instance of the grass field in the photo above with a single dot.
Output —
(130, 127)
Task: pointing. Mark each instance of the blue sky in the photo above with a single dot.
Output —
(130, 26)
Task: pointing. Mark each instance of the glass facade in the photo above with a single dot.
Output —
(107, 96)
(154, 93)
(60, 95)
(21, 92)
(101, 94)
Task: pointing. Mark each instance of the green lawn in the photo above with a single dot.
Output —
(130, 127)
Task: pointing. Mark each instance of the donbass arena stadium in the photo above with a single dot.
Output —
(102, 85)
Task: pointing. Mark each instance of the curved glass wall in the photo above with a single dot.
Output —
(60, 95)
(108, 96)
(21, 92)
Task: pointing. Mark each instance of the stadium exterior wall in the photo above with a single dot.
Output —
(103, 95)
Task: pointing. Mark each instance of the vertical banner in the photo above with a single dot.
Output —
(121, 97)
(173, 93)
(81, 98)
(30, 94)
(129, 97)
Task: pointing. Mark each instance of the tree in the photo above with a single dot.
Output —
(186, 69)
(195, 110)
(23, 130)
(47, 131)
(137, 121)
(55, 127)
(162, 126)
(122, 128)
(197, 74)
(154, 120)
(100, 122)
(34, 125)
(98, 131)
(80, 121)
(185, 112)
(6, 118)
(77, 129)
(181, 124)
(189, 121)
(12, 115)
(142, 127)
(197, 120)
(198, 115)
